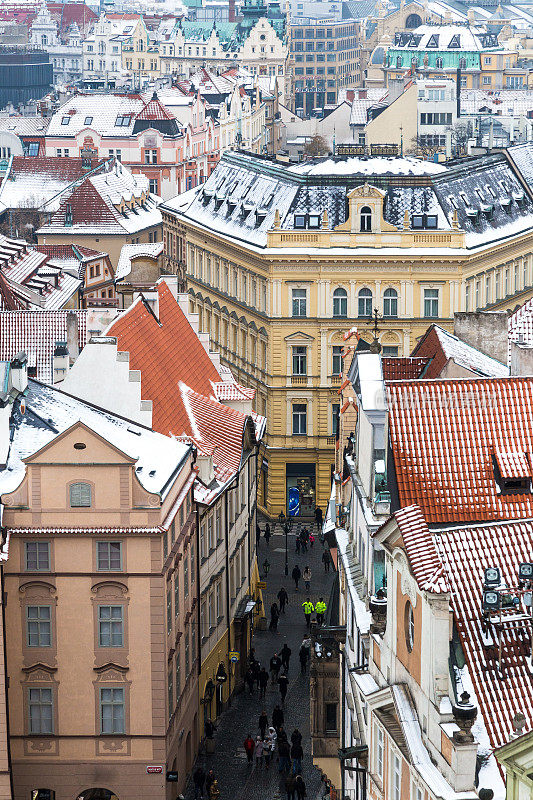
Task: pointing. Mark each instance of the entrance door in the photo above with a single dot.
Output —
(97, 794)
(301, 489)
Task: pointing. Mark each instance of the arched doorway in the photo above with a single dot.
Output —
(413, 21)
(97, 794)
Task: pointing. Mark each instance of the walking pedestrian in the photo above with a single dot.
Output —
(198, 781)
(285, 655)
(311, 540)
(296, 737)
(277, 718)
(267, 752)
(267, 533)
(275, 666)
(282, 734)
(326, 560)
(283, 598)
(270, 745)
(257, 535)
(263, 683)
(274, 617)
(290, 786)
(214, 791)
(256, 669)
(319, 517)
(297, 544)
(283, 683)
(303, 542)
(272, 736)
(258, 751)
(263, 723)
(209, 780)
(301, 790)
(307, 578)
(297, 754)
(303, 655)
(308, 610)
(284, 757)
(320, 609)
(249, 747)
(296, 575)
(250, 679)
(209, 729)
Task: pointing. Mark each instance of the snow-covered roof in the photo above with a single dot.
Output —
(50, 413)
(441, 346)
(520, 325)
(130, 251)
(34, 182)
(448, 37)
(369, 166)
(99, 113)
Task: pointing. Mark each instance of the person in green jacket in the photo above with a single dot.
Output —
(308, 610)
(320, 609)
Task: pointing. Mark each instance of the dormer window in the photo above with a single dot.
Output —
(122, 121)
(314, 220)
(299, 220)
(88, 121)
(512, 472)
(419, 221)
(366, 219)
(68, 214)
(65, 120)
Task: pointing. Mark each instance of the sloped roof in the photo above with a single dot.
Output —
(36, 333)
(154, 110)
(178, 376)
(421, 551)
(443, 435)
(439, 346)
(520, 324)
(396, 368)
(34, 181)
(465, 553)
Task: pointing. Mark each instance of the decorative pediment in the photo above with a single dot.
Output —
(39, 672)
(366, 191)
(111, 671)
(365, 212)
(299, 336)
(91, 448)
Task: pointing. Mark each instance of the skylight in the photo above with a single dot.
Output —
(65, 120)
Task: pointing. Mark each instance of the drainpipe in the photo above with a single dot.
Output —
(343, 721)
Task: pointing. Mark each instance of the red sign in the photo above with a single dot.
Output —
(154, 770)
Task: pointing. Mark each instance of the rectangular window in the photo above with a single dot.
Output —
(193, 567)
(37, 556)
(218, 533)
(170, 693)
(169, 611)
(187, 655)
(39, 626)
(112, 711)
(202, 542)
(378, 752)
(396, 782)
(109, 556)
(431, 302)
(335, 409)
(331, 717)
(299, 419)
(186, 575)
(218, 604)
(110, 626)
(336, 368)
(41, 707)
(178, 675)
(299, 360)
(299, 303)
(80, 495)
(210, 539)
(154, 186)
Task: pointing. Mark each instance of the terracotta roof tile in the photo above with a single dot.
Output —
(465, 553)
(403, 368)
(443, 435)
(421, 551)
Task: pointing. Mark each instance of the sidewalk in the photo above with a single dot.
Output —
(236, 779)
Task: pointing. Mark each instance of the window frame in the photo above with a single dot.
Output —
(429, 303)
(110, 622)
(115, 731)
(37, 621)
(37, 568)
(299, 302)
(390, 302)
(336, 355)
(299, 412)
(365, 219)
(299, 360)
(340, 303)
(82, 486)
(110, 568)
(364, 299)
(40, 704)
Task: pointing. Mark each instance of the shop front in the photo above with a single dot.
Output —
(301, 489)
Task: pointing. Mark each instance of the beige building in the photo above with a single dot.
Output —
(281, 261)
(92, 656)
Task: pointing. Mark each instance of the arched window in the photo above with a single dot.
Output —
(462, 63)
(390, 303)
(439, 63)
(398, 62)
(413, 21)
(44, 40)
(409, 624)
(364, 303)
(366, 219)
(80, 495)
(340, 303)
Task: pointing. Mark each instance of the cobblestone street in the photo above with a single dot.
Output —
(236, 778)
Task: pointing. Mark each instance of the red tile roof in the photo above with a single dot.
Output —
(421, 551)
(232, 391)
(177, 375)
(68, 169)
(465, 553)
(68, 13)
(154, 110)
(443, 435)
(441, 346)
(401, 368)
(67, 251)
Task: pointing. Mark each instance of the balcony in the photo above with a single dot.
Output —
(299, 380)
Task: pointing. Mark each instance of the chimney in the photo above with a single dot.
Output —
(60, 362)
(350, 94)
(362, 94)
(231, 17)
(72, 342)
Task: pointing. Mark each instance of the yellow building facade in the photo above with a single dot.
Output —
(282, 261)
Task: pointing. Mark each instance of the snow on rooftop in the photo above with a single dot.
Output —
(369, 166)
(130, 251)
(469, 357)
(49, 413)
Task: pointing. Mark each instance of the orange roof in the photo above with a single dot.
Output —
(444, 435)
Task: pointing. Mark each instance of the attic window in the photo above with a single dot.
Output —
(65, 120)
(473, 214)
(419, 221)
(505, 203)
(512, 472)
(488, 210)
(299, 220)
(87, 120)
(455, 41)
(491, 191)
(314, 221)
(122, 121)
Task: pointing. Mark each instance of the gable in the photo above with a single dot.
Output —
(62, 449)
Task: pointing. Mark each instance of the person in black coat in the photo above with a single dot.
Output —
(277, 718)
(285, 655)
(274, 617)
(283, 683)
(199, 781)
(263, 682)
(296, 737)
(301, 790)
(296, 575)
(304, 658)
(283, 598)
(263, 723)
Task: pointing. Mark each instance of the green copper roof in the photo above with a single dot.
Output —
(402, 59)
(202, 30)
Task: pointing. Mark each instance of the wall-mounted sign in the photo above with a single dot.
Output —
(154, 770)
